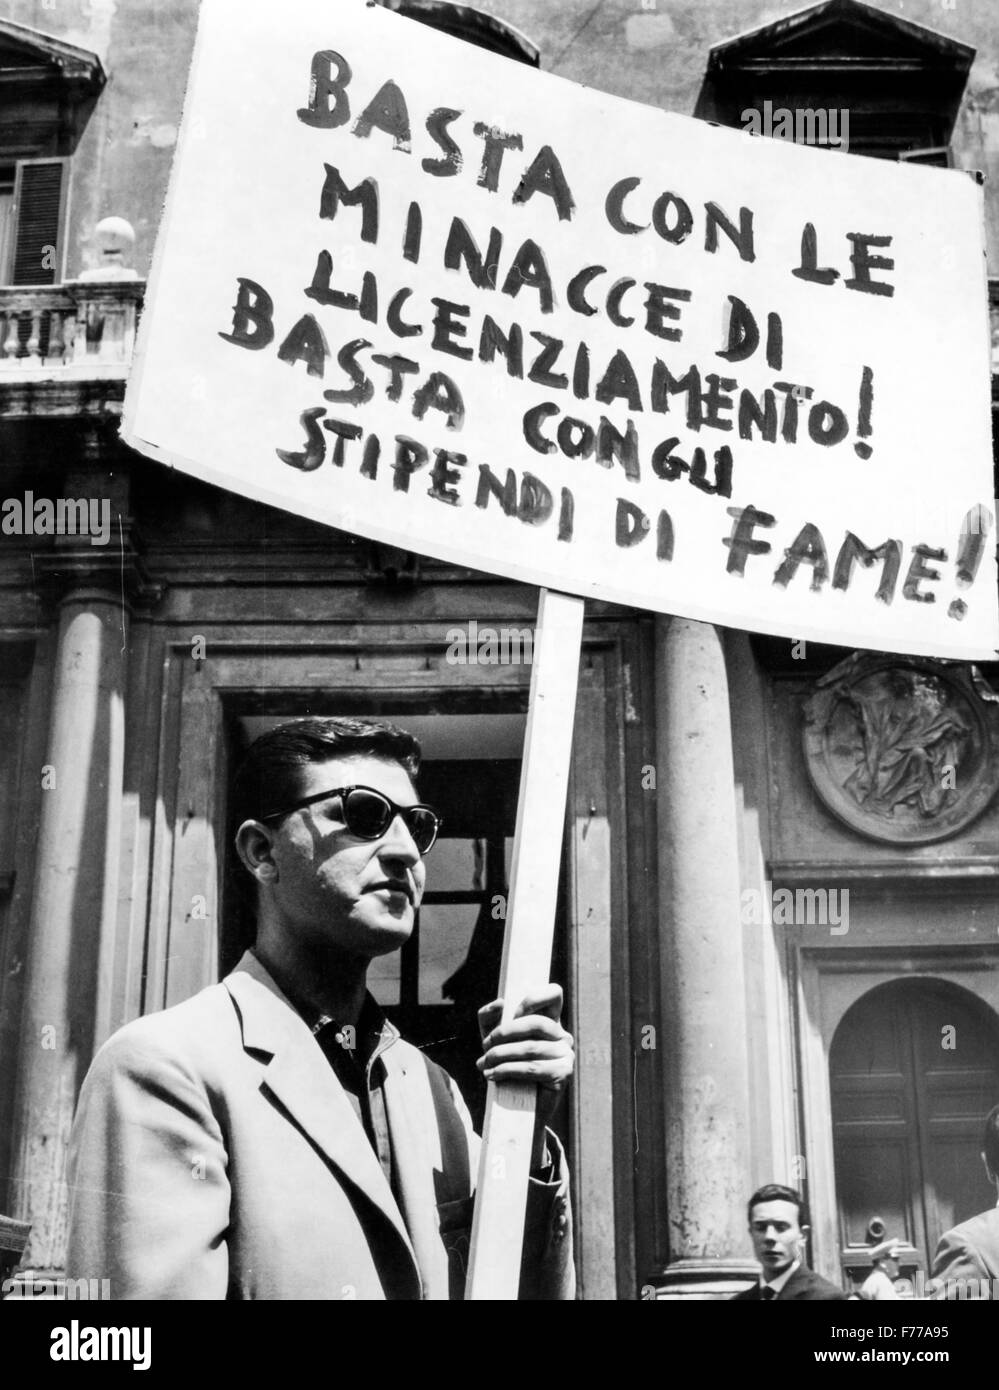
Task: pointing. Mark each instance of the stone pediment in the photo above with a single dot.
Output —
(840, 33)
(31, 54)
(47, 91)
(471, 24)
(902, 82)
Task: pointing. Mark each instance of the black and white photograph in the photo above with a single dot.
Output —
(499, 663)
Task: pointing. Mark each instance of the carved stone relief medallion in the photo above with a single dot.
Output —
(903, 749)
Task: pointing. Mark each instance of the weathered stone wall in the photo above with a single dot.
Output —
(653, 51)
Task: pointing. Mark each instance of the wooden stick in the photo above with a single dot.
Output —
(505, 1158)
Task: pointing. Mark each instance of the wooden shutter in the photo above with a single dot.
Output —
(39, 211)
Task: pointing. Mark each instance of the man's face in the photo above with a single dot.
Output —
(334, 891)
(776, 1236)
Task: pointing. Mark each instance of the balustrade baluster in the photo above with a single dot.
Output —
(57, 342)
(10, 335)
(74, 325)
(35, 335)
(69, 336)
(114, 334)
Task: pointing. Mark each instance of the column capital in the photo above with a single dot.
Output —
(117, 570)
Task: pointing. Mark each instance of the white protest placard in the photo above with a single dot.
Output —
(427, 295)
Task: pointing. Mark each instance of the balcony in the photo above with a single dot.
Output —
(65, 349)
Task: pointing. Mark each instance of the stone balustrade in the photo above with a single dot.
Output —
(78, 329)
(87, 328)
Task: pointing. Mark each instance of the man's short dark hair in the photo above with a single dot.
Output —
(774, 1192)
(991, 1142)
(269, 776)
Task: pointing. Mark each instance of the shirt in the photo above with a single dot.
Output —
(355, 1056)
(361, 1073)
(354, 1053)
(777, 1284)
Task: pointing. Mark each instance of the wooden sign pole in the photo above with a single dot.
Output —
(505, 1158)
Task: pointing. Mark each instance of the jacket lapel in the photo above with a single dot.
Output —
(416, 1154)
(796, 1285)
(299, 1077)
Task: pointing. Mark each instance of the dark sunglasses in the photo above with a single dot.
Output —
(368, 815)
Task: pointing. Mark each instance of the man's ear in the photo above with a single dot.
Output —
(254, 845)
(992, 1177)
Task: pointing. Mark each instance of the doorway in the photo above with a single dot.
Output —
(914, 1070)
(470, 720)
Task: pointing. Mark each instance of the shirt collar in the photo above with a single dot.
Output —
(374, 1031)
(778, 1283)
(371, 1021)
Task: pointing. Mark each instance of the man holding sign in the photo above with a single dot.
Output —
(274, 1137)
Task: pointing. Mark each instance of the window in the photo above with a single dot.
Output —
(939, 155)
(895, 87)
(8, 174)
(47, 91)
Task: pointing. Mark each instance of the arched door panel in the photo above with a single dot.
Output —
(914, 1069)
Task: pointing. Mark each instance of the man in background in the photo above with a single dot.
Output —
(778, 1228)
(967, 1258)
(880, 1283)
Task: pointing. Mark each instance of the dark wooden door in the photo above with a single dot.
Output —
(914, 1070)
(450, 966)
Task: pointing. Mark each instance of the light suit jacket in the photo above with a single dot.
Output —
(967, 1260)
(215, 1155)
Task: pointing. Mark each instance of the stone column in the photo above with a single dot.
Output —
(703, 985)
(73, 905)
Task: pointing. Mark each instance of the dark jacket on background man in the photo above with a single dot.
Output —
(804, 1285)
